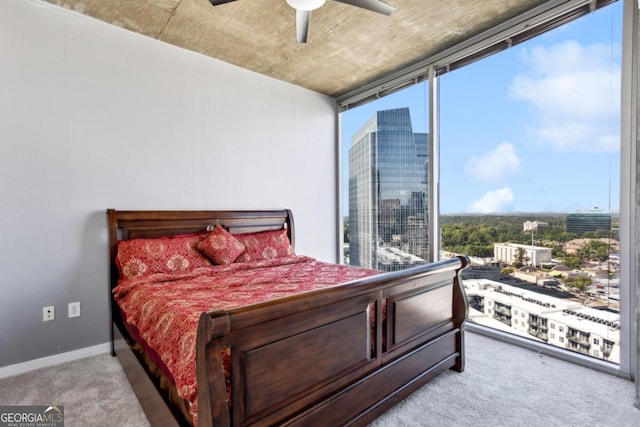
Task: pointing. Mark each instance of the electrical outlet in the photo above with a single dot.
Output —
(74, 309)
(48, 313)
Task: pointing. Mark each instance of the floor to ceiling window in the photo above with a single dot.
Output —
(528, 185)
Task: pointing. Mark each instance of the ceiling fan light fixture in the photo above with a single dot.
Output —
(305, 5)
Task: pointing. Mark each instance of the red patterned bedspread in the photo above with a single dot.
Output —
(165, 308)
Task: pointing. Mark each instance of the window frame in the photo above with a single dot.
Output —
(528, 25)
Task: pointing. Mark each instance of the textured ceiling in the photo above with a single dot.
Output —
(347, 47)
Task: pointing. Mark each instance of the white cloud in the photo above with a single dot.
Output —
(500, 200)
(575, 93)
(578, 136)
(496, 165)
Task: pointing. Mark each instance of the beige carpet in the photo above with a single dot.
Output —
(506, 385)
(94, 392)
(502, 385)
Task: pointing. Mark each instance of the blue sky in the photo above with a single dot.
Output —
(534, 128)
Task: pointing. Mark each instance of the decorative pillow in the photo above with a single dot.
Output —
(139, 257)
(265, 245)
(220, 246)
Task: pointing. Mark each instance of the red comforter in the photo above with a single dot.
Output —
(165, 308)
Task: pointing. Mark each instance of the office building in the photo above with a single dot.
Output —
(581, 222)
(388, 178)
(526, 254)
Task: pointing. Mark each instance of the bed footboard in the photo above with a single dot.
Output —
(332, 357)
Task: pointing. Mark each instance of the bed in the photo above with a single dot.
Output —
(340, 348)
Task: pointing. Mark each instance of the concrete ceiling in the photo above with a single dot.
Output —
(347, 47)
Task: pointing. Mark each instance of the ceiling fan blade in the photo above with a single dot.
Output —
(372, 5)
(302, 25)
(219, 2)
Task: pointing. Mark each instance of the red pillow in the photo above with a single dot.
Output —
(220, 246)
(139, 257)
(265, 245)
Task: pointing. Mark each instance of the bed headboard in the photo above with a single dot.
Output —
(125, 225)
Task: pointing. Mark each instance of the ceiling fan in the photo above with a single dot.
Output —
(304, 7)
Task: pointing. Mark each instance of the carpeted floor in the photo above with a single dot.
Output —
(94, 392)
(503, 385)
(506, 385)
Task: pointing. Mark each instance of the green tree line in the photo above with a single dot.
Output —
(475, 235)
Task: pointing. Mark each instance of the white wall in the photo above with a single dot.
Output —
(95, 117)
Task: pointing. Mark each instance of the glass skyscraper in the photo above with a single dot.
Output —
(582, 222)
(388, 221)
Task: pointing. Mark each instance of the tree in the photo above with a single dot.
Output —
(520, 258)
(581, 284)
(506, 271)
(478, 250)
(595, 250)
(571, 261)
(557, 250)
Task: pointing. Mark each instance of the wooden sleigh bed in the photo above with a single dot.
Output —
(340, 355)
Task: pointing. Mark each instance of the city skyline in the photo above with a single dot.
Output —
(532, 129)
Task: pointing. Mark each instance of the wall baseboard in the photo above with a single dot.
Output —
(45, 362)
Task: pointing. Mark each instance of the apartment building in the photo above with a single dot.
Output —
(563, 323)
